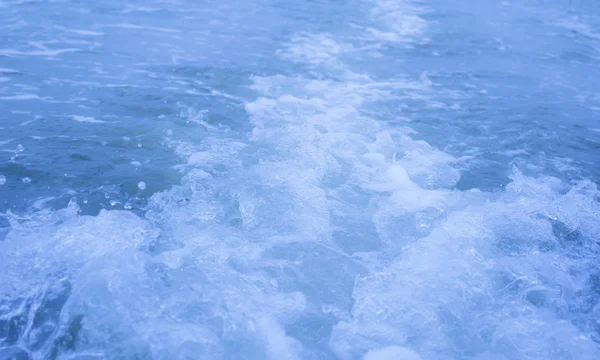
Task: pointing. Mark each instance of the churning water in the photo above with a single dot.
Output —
(344, 179)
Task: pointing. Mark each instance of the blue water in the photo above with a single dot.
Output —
(375, 179)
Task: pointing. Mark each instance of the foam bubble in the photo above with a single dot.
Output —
(141, 185)
(392, 353)
(398, 21)
(86, 119)
(314, 49)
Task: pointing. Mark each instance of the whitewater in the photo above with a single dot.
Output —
(352, 179)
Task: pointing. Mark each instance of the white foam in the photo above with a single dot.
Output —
(579, 25)
(51, 53)
(84, 32)
(451, 277)
(398, 21)
(392, 353)
(141, 27)
(134, 8)
(86, 119)
(8, 71)
(279, 346)
(23, 97)
(314, 49)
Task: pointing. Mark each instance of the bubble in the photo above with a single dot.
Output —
(141, 185)
(26, 180)
(20, 148)
(113, 202)
(2, 180)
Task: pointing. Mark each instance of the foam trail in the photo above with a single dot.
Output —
(322, 233)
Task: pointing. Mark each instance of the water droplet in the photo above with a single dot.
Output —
(140, 145)
(2, 180)
(141, 185)
(20, 148)
(26, 180)
(106, 196)
(85, 201)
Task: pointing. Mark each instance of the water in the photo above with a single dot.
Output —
(378, 179)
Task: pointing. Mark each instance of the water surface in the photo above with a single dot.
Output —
(378, 179)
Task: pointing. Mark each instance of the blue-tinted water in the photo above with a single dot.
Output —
(376, 179)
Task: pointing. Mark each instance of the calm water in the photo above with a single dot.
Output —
(376, 179)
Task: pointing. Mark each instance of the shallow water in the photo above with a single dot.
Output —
(377, 179)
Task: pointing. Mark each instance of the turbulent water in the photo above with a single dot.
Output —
(344, 179)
